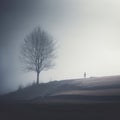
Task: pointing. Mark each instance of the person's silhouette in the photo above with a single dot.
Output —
(84, 74)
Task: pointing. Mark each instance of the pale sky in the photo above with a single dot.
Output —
(87, 33)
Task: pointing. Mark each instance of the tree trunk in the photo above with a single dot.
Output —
(37, 78)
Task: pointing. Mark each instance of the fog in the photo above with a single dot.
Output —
(86, 33)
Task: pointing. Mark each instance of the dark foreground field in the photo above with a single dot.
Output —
(82, 99)
(63, 111)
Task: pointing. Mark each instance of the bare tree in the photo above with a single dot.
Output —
(38, 51)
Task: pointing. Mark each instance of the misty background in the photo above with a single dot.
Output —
(87, 33)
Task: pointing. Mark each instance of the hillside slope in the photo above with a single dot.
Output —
(97, 87)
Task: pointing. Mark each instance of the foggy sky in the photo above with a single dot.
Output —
(86, 31)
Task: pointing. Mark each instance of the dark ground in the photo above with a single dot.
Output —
(44, 101)
(57, 111)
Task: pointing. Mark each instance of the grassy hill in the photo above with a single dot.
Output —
(83, 99)
(88, 89)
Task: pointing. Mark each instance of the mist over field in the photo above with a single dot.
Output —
(86, 33)
(59, 59)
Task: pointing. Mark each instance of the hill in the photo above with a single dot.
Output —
(92, 89)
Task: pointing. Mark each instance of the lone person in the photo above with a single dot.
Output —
(84, 74)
